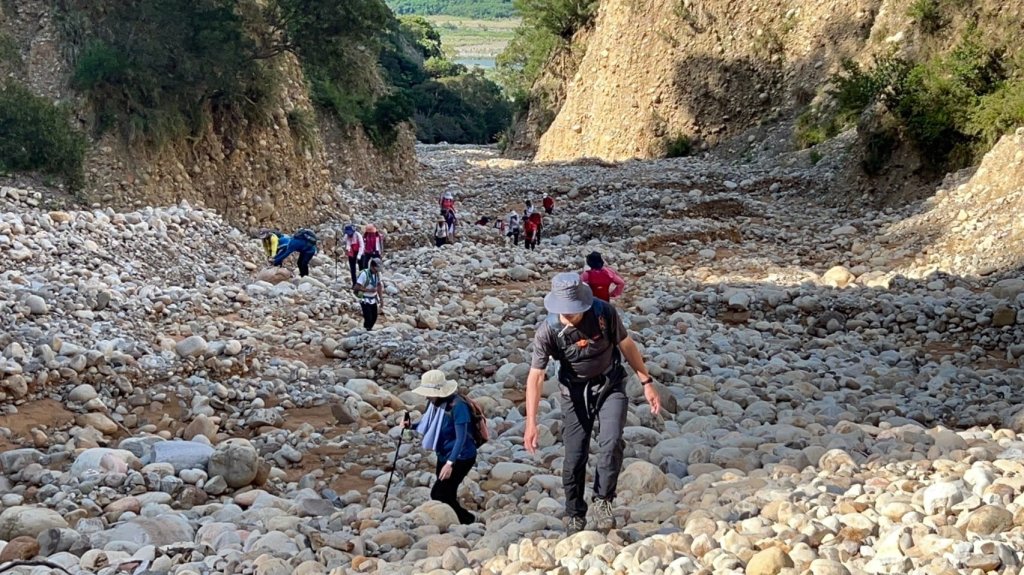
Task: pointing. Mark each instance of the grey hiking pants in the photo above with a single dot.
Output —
(583, 405)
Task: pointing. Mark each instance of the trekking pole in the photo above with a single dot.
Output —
(337, 241)
(407, 421)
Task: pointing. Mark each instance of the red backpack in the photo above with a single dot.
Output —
(600, 282)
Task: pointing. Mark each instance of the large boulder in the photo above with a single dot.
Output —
(643, 477)
(101, 461)
(166, 529)
(28, 521)
(237, 461)
(770, 561)
(1008, 288)
(182, 454)
(438, 514)
(274, 275)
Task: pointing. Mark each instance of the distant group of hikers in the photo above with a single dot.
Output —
(365, 261)
(583, 333)
(528, 226)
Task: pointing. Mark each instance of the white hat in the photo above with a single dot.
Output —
(434, 383)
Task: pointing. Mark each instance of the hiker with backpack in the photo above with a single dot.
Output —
(538, 221)
(304, 242)
(453, 426)
(513, 228)
(531, 233)
(440, 232)
(549, 204)
(529, 209)
(354, 250)
(373, 245)
(601, 278)
(273, 242)
(586, 336)
(370, 289)
(447, 202)
(450, 221)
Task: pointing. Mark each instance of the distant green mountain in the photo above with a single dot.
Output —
(480, 9)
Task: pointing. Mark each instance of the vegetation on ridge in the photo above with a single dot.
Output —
(36, 136)
(479, 9)
(950, 106)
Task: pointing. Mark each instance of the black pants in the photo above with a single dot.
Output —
(581, 408)
(440, 241)
(549, 210)
(304, 260)
(515, 236)
(531, 242)
(353, 263)
(364, 262)
(447, 491)
(369, 315)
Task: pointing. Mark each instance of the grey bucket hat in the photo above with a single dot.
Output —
(568, 295)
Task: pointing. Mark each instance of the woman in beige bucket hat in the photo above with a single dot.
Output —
(446, 429)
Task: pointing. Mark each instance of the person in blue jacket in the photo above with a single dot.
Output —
(445, 429)
(303, 242)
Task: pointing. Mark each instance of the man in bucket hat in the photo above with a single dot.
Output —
(586, 336)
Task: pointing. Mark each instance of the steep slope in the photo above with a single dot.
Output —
(655, 73)
(657, 70)
(279, 172)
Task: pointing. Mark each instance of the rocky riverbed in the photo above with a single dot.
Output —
(841, 397)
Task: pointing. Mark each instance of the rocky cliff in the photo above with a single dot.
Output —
(263, 175)
(655, 72)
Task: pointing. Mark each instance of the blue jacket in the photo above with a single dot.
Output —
(294, 245)
(455, 442)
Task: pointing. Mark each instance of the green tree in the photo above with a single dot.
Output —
(36, 135)
(559, 17)
(423, 34)
(158, 70)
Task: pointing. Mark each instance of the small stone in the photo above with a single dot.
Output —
(191, 346)
(83, 393)
(37, 305)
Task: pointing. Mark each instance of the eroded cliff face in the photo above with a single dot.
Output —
(658, 70)
(263, 175)
(655, 70)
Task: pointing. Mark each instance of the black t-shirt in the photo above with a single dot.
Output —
(588, 352)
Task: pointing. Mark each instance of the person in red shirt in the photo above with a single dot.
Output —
(532, 232)
(549, 204)
(601, 278)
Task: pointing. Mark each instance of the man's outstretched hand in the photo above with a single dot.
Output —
(653, 398)
(530, 437)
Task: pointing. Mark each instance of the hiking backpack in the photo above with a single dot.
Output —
(477, 420)
(306, 235)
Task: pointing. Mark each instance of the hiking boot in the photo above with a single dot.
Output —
(575, 525)
(604, 515)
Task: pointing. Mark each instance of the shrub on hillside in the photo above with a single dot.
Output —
(952, 107)
(928, 15)
(680, 146)
(36, 136)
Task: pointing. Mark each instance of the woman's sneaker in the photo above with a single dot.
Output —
(575, 525)
(604, 516)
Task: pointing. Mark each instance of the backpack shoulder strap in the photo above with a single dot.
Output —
(605, 317)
